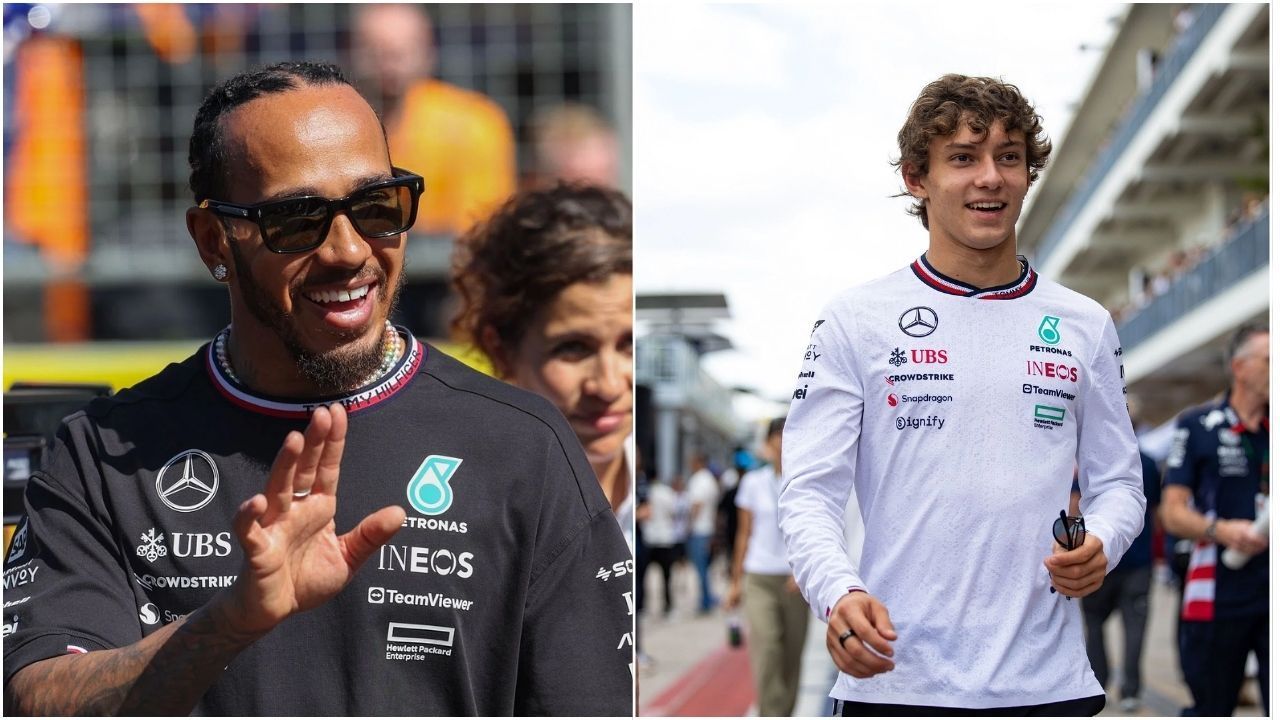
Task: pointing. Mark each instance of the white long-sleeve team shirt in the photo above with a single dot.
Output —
(957, 415)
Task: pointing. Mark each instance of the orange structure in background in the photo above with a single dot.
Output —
(45, 186)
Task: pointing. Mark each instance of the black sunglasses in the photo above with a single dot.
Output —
(1069, 531)
(300, 224)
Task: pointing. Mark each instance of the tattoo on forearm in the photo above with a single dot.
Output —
(162, 674)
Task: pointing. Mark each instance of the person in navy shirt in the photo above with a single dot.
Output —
(1215, 484)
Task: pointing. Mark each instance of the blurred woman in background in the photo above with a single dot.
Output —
(545, 292)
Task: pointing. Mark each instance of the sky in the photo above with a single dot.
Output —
(763, 137)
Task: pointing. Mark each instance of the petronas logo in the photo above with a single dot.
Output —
(1049, 330)
(429, 490)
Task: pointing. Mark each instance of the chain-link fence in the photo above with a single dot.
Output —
(100, 101)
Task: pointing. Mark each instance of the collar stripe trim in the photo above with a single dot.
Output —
(1026, 285)
(936, 280)
(390, 384)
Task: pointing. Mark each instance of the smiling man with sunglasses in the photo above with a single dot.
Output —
(189, 547)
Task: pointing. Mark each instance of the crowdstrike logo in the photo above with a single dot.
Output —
(429, 490)
(918, 322)
(196, 486)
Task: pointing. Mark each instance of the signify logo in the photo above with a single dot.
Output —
(1047, 416)
(933, 421)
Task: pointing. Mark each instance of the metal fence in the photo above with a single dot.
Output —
(139, 107)
(1238, 257)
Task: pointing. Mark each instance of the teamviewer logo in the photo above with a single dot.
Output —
(377, 595)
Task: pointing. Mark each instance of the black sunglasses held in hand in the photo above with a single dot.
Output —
(300, 224)
(1069, 531)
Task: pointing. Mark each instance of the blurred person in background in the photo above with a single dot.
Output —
(242, 598)
(703, 494)
(544, 286)
(730, 481)
(660, 535)
(777, 615)
(574, 143)
(1215, 485)
(459, 139)
(1127, 588)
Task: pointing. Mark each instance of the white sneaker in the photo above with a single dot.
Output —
(1130, 705)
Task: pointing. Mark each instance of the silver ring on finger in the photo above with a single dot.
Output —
(845, 636)
(302, 494)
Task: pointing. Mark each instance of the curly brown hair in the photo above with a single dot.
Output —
(979, 101)
(538, 243)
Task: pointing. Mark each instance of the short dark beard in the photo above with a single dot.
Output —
(334, 372)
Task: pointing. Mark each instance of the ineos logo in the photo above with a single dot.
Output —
(918, 322)
(194, 487)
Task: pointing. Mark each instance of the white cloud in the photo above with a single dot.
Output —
(708, 45)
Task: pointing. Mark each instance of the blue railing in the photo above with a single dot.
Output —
(1231, 262)
(1183, 47)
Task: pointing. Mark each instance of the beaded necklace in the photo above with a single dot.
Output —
(392, 344)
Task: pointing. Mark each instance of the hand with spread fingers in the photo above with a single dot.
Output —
(1078, 572)
(294, 559)
(859, 636)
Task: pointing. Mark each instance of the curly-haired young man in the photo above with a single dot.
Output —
(955, 396)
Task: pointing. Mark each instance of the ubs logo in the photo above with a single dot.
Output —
(918, 322)
(188, 481)
(928, 357)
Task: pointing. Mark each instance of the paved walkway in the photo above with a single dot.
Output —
(694, 672)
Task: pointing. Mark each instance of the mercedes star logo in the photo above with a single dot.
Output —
(918, 321)
(195, 487)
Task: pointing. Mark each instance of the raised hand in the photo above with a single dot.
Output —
(294, 558)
